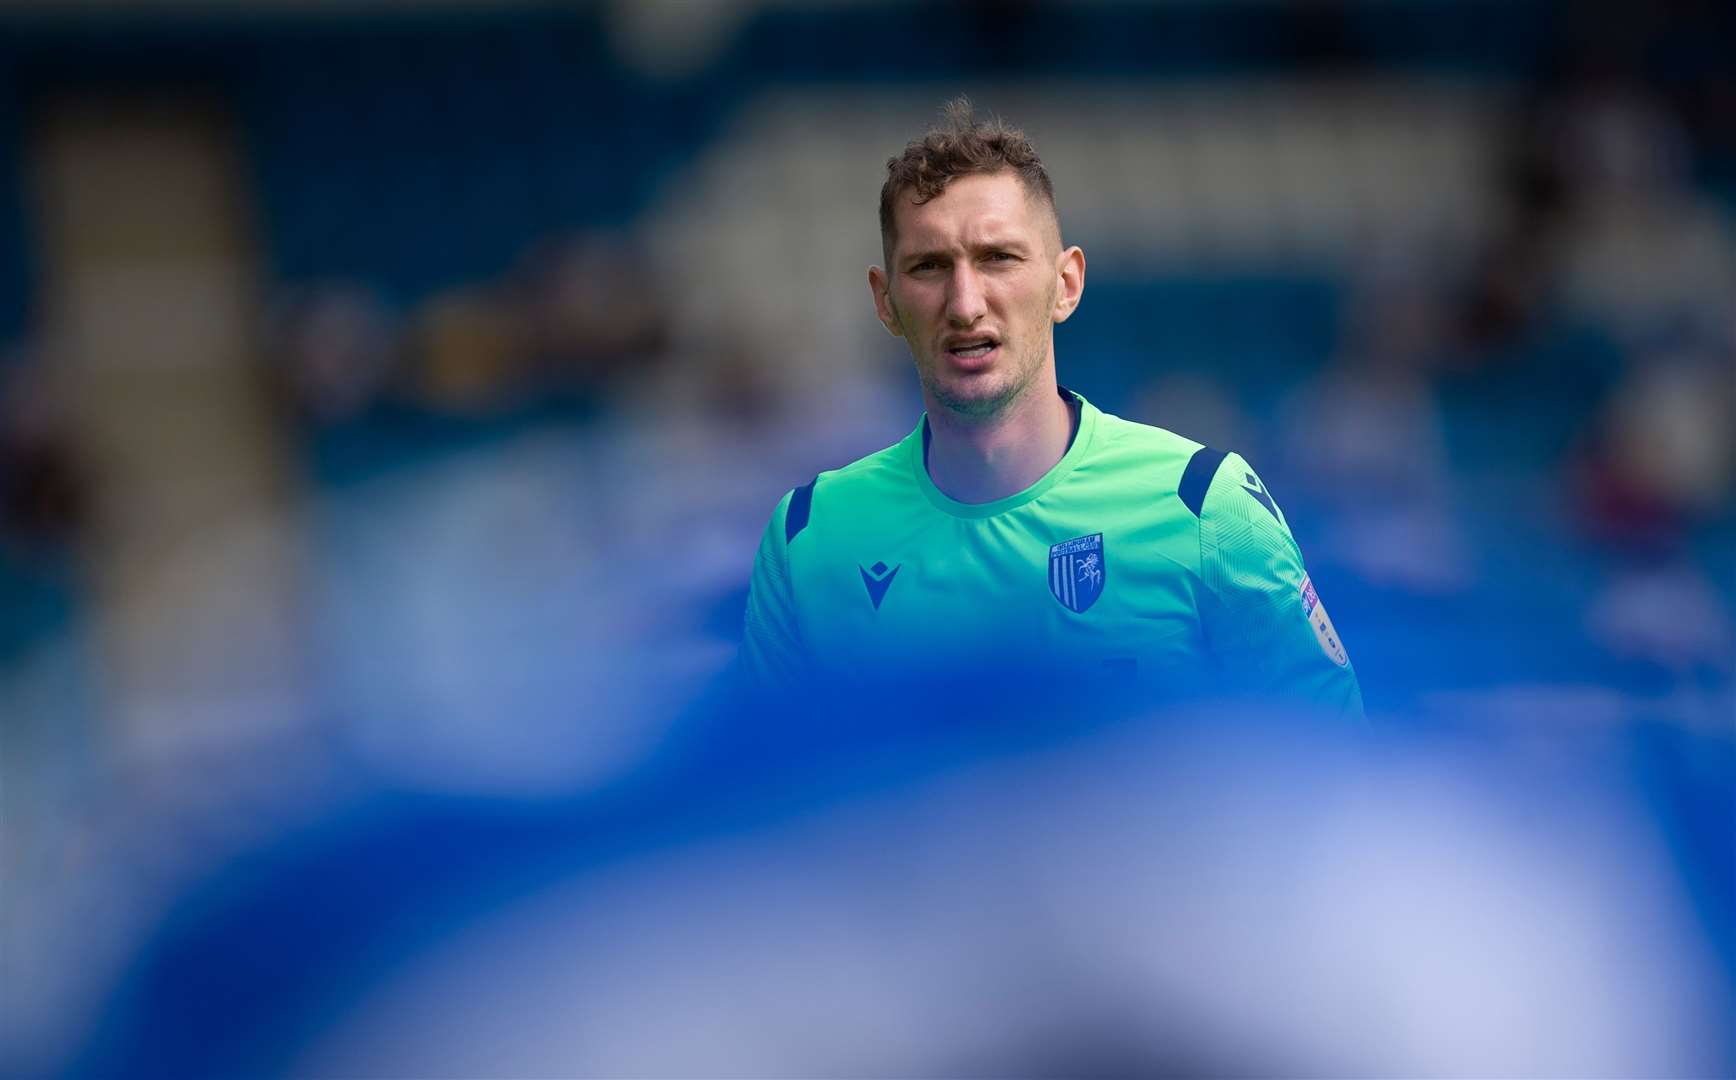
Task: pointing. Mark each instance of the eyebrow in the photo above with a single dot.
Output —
(996, 244)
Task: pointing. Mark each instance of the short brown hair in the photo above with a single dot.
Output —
(961, 146)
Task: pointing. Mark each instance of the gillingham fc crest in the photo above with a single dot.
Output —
(1077, 571)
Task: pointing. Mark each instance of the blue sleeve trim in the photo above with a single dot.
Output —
(1197, 477)
(801, 505)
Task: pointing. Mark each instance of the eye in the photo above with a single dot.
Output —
(1002, 256)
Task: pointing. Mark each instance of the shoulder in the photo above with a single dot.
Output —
(1209, 481)
(876, 470)
(1240, 523)
(1160, 461)
(1234, 491)
(853, 489)
(1219, 488)
(1119, 433)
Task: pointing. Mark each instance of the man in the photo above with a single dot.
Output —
(1018, 531)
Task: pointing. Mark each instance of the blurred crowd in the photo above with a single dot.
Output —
(522, 503)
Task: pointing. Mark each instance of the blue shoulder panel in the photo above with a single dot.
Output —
(1197, 477)
(801, 504)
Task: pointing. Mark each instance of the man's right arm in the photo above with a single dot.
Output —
(771, 648)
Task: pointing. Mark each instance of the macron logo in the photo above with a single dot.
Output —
(1258, 491)
(878, 580)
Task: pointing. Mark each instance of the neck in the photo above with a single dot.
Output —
(981, 459)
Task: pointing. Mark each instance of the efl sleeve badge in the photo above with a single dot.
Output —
(1322, 624)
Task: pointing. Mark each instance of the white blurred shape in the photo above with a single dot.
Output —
(1135, 905)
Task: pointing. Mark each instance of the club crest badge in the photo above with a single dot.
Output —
(1324, 632)
(1077, 572)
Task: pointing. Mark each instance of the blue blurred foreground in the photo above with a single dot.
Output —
(942, 891)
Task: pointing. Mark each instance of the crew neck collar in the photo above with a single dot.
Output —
(1075, 452)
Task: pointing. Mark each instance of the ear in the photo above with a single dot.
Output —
(879, 285)
(1070, 278)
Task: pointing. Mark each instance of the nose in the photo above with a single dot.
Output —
(965, 302)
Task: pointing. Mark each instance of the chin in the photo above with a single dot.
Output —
(975, 398)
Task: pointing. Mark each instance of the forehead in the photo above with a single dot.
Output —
(971, 209)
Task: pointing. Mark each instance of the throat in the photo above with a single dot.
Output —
(983, 463)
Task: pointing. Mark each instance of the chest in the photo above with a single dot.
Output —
(1029, 590)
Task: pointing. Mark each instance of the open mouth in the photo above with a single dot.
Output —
(972, 348)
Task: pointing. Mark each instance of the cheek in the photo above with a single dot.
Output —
(1043, 303)
(901, 309)
(1034, 304)
(907, 306)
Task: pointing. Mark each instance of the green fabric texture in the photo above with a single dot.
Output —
(969, 590)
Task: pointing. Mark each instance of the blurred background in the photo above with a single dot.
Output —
(392, 395)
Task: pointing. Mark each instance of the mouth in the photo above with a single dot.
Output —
(974, 351)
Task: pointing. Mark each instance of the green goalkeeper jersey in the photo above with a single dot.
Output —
(1141, 555)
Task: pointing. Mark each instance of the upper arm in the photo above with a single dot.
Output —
(1261, 614)
(771, 633)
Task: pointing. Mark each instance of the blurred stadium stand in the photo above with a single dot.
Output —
(544, 306)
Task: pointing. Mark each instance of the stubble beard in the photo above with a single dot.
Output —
(1027, 363)
(1016, 384)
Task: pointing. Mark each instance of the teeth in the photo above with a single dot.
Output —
(974, 350)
